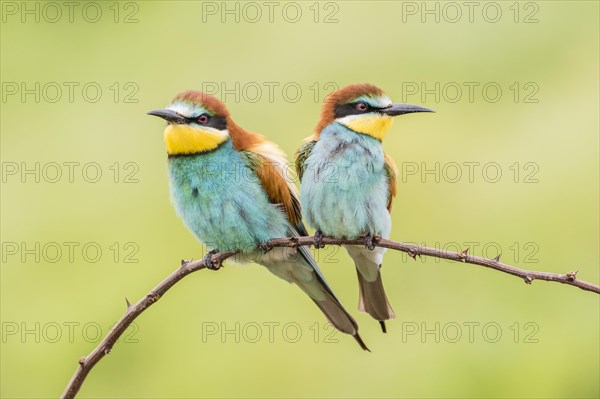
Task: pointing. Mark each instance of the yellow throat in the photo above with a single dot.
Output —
(375, 125)
(185, 139)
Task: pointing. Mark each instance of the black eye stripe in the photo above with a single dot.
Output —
(217, 122)
(342, 110)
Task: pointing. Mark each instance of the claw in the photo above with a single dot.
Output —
(263, 246)
(209, 262)
(318, 244)
(294, 242)
(370, 242)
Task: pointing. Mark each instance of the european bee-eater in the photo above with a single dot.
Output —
(348, 182)
(229, 186)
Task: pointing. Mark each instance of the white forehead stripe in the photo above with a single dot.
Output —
(375, 101)
(382, 101)
(187, 109)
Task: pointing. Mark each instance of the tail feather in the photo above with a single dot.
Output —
(338, 316)
(373, 299)
(372, 295)
(301, 269)
(360, 342)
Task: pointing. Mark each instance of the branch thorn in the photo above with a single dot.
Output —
(572, 275)
(128, 303)
(377, 239)
(463, 255)
(413, 254)
(528, 279)
(497, 258)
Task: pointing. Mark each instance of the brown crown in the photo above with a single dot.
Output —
(211, 103)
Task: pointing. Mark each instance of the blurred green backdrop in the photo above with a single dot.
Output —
(76, 83)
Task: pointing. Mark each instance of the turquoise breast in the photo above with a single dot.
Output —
(344, 189)
(220, 199)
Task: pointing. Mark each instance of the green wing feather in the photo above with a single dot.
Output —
(301, 155)
(391, 171)
(282, 197)
(278, 190)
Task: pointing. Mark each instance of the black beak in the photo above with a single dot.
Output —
(401, 109)
(169, 116)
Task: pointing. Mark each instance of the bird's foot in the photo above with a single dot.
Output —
(209, 262)
(263, 246)
(371, 241)
(318, 244)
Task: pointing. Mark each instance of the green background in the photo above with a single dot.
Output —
(548, 222)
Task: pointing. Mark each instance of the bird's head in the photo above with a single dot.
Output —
(197, 123)
(363, 108)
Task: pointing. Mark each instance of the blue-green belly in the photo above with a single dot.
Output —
(344, 190)
(221, 201)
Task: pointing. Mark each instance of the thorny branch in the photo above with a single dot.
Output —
(214, 261)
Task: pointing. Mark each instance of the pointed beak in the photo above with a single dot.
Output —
(401, 109)
(169, 116)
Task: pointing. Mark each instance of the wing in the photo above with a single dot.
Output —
(271, 167)
(302, 154)
(276, 177)
(391, 171)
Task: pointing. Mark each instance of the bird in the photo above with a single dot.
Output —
(231, 188)
(348, 183)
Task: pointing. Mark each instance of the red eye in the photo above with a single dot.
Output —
(362, 106)
(203, 119)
